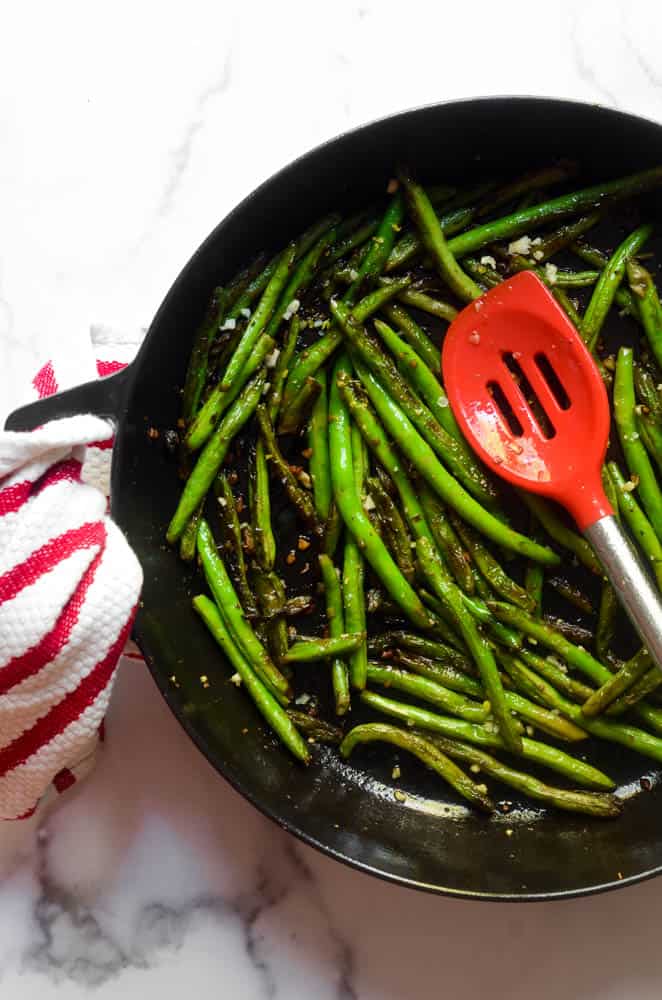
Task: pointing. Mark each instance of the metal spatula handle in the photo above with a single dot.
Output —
(630, 581)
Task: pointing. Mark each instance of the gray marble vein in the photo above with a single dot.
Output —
(182, 152)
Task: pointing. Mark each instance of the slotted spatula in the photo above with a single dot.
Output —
(529, 398)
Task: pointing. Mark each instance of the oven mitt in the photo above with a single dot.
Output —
(69, 587)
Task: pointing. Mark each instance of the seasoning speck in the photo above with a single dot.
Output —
(152, 433)
(392, 185)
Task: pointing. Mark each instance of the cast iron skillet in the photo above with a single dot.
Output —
(425, 842)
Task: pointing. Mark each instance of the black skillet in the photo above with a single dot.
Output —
(424, 842)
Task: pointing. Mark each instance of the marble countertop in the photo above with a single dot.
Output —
(127, 132)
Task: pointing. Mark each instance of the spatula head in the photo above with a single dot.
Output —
(528, 395)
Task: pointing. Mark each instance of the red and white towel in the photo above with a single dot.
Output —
(69, 586)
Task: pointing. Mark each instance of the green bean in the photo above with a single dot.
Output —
(259, 502)
(265, 702)
(292, 419)
(426, 303)
(421, 380)
(299, 497)
(440, 581)
(490, 568)
(317, 730)
(596, 258)
(540, 753)
(380, 248)
(637, 521)
(430, 648)
(260, 276)
(395, 529)
(275, 397)
(213, 455)
(556, 674)
(349, 503)
(568, 306)
(355, 237)
(524, 702)
(446, 540)
(264, 346)
(648, 391)
(432, 757)
(562, 535)
(428, 690)
(245, 278)
(433, 239)
(441, 672)
(577, 656)
(623, 679)
(311, 650)
(310, 360)
(565, 234)
(333, 528)
(557, 208)
(208, 417)
(196, 374)
(635, 454)
(355, 613)
(425, 461)
(271, 595)
(226, 598)
(606, 624)
(187, 542)
(453, 220)
(302, 275)
(608, 609)
(485, 275)
(599, 804)
(224, 516)
(641, 688)
(571, 592)
(318, 443)
(414, 336)
(650, 309)
(335, 619)
(651, 434)
(610, 279)
(614, 732)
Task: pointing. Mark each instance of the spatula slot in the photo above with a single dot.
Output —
(537, 409)
(504, 407)
(556, 387)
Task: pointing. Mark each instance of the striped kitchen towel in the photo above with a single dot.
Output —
(69, 586)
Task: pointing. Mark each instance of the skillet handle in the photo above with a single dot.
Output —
(630, 581)
(104, 398)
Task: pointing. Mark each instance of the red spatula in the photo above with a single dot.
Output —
(529, 398)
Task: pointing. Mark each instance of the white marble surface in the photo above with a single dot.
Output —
(127, 131)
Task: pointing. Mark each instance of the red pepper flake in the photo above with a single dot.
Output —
(233, 478)
(240, 504)
(303, 543)
(290, 557)
(307, 453)
(152, 433)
